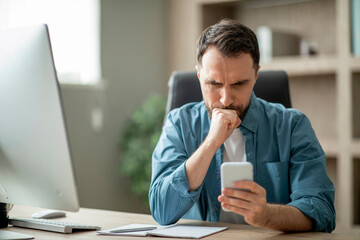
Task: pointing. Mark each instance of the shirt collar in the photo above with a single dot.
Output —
(252, 116)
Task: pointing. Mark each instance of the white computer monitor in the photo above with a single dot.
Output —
(36, 168)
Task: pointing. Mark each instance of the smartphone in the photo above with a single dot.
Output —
(235, 171)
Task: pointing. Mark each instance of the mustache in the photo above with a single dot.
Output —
(231, 107)
(239, 110)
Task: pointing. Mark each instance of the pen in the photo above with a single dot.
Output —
(132, 229)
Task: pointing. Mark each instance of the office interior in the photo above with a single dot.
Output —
(143, 41)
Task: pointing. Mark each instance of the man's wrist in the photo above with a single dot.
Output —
(270, 211)
(285, 218)
(212, 143)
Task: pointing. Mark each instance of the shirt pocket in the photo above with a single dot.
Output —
(277, 185)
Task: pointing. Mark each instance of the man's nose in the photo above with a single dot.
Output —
(226, 97)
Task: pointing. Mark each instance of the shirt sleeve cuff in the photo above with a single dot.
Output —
(180, 184)
(321, 220)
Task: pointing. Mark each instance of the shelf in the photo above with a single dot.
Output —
(254, 3)
(356, 101)
(355, 148)
(331, 166)
(356, 230)
(330, 146)
(309, 94)
(355, 64)
(217, 1)
(356, 189)
(299, 66)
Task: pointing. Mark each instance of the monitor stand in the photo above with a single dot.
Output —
(4, 223)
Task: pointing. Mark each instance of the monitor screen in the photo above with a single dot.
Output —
(35, 160)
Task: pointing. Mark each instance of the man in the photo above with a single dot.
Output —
(291, 190)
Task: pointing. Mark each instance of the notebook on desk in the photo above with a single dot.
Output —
(175, 231)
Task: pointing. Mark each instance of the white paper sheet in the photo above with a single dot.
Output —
(175, 230)
(184, 231)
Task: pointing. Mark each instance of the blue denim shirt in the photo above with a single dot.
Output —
(280, 143)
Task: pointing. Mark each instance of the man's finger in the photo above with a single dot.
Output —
(236, 202)
(236, 193)
(238, 210)
(249, 185)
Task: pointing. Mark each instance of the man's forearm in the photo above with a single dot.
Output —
(198, 164)
(223, 123)
(287, 218)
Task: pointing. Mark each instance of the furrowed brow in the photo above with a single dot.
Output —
(241, 82)
(212, 82)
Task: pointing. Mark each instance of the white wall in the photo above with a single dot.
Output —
(134, 64)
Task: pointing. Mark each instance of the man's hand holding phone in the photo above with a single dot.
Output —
(241, 195)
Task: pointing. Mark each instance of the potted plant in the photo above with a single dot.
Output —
(138, 141)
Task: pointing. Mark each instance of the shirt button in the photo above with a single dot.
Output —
(218, 176)
(215, 209)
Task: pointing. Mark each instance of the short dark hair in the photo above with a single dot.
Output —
(231, 38)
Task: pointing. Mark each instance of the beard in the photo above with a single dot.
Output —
(240, 111)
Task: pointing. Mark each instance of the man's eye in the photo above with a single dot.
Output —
(238, 85)
(215, 85)
(241, 83)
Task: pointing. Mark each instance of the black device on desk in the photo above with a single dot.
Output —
(36, 168)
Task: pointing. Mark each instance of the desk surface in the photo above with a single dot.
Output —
(112, 219)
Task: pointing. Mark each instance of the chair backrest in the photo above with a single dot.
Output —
(184, 87)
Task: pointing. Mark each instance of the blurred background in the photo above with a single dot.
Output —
(114, 56)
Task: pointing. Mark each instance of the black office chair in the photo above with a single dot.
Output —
(184, 87)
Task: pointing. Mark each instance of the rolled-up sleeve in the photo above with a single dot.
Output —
(312, 192)
(169, 197)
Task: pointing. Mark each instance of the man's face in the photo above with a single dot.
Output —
(227, 82)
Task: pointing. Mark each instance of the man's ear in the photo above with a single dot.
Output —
(257, 73)
(197, 71)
